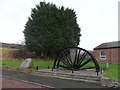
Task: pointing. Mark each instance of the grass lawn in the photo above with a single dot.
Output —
(43, 64)
(18, 63)
(112, 71)
(10, 63)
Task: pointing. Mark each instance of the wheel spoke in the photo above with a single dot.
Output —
(63, 66)
(58, 63)
(85, 63)
(64, 62)
(76, 56)
(68, 59)
(82, 58)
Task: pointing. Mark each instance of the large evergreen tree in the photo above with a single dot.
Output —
(49, 29)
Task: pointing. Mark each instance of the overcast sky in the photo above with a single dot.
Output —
(98, 19)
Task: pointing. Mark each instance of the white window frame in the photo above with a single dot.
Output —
(102, 56)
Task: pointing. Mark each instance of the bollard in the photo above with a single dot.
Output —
(48, 67)
(52, 69)
(37, 68)
(107, 65)
(101, 71)
(72, 71)
(97, 73)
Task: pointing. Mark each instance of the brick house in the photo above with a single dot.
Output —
(108, 52)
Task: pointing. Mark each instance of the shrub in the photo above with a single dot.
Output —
(22, 53)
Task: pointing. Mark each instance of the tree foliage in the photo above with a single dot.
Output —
(50, 29)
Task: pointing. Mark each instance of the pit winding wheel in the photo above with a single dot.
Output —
(76, 58)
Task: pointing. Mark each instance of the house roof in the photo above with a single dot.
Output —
(108, 45)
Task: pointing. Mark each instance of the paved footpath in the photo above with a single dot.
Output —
(12, 83)
(47, 81)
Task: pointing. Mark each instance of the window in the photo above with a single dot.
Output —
(102, 55)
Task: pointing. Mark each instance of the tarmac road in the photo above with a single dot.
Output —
(49, 82)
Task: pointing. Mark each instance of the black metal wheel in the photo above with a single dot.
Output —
(76, 58)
